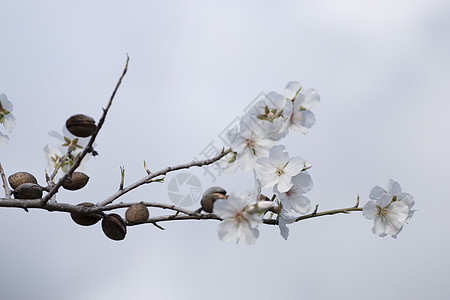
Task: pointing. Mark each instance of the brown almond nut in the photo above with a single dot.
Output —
(114, 227)
(215, 189)
(19, 178)
(81, 125)
(85, 219)
(208, 200)
(137, 213)
(76, 182)
(28, 191)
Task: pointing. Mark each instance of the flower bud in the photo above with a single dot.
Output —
(85, 219)
(19, 178)
(114, 227)
(81, 125)
(260, 207)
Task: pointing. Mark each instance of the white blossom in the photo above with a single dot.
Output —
(3, 140)
(250, 143)
(390, 208)
(293, 199)
(278, 169)
(283, 220)
(298, 111)
(237, 222)
(6, 118)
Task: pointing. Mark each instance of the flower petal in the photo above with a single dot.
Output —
(376, 192)
(312, 98)
(3, 140)
(6, 104)
(9, 122)
(291, 89)
(294, 166)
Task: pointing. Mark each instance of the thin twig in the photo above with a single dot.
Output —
(147, 179)
(148, 204)
(178, 218)
(88, 147)
(5, 183)
(318, 214)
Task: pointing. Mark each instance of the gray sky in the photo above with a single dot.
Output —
(380, 67)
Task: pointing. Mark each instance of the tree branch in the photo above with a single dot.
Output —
(5, 183)
(148, 178)
(88, 148)
(315, 214)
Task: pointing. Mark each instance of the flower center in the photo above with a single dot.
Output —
(382, 211)
(239, 217)
(280, 170)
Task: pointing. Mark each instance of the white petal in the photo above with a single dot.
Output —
(223, 209)
(312, 98)
(385, 200)
(9, 122)
(284, 183)
(3, 140)
(253, 220)
(370, 210)
(275, 100)
(6, 104)
(294, 166)
(307, 118)
(291, 89)
(228, 231)
(393, 187)
(251, 235)
(379, 227)
(284, 230)
(407, 199)
(301, 204)
(303, 182)
(376, 192)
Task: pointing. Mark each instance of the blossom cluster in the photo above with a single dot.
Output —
(6, 119)
(254, 146)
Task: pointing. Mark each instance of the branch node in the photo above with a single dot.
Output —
(157, 226)
(315, 210)
(146, 169)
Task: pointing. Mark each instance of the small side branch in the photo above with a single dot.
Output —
(179, 218)
(319, 214)
(148, 178)
(88, 148)
(5, 183)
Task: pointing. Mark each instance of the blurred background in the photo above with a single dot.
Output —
(380, 67)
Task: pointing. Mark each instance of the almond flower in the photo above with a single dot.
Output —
(298, 110)
(6, 118)
(390, 208)
(294, 199)
(278, 169)
(237, 222)
(250, 143)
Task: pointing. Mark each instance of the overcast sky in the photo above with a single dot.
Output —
(380, 67)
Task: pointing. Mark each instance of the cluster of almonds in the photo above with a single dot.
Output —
(113, 225)
(25, 185)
